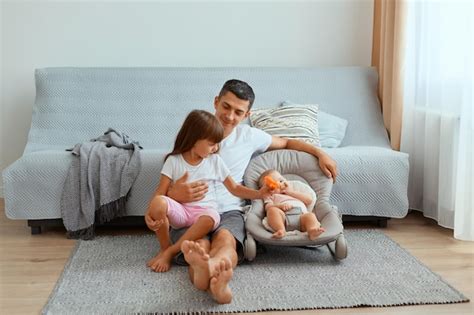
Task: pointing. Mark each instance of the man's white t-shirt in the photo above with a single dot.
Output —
(236, 150)
(211, 170)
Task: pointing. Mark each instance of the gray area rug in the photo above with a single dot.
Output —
(109, 275)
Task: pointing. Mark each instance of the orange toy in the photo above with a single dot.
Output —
(271, 183)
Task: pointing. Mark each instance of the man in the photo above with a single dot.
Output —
(211, 262)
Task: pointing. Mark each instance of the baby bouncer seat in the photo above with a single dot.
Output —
(300, 169)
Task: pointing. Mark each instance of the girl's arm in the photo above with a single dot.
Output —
(163, 186)
(244, 192)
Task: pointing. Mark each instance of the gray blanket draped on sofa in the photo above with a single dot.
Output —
(98, 182)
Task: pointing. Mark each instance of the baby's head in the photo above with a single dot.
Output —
(275, 175)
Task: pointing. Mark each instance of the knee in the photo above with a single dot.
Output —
(307, 216)
(224, 237)
(206, 221)
(158, 207)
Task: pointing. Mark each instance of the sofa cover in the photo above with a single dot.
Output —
(74, 105)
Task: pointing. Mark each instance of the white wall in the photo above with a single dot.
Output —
(196, 33)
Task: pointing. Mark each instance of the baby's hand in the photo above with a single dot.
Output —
(285, 207)
(285, 188)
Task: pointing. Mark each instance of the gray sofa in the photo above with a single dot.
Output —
(74, 105)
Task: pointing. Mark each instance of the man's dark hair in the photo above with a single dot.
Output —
(240, 89)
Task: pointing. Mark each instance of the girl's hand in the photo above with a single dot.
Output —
(285, 207)
(265, 192)
(152, 224)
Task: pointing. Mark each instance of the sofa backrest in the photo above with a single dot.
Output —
(149, 104)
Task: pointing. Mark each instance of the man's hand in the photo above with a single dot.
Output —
(328, 166)
(183, 192)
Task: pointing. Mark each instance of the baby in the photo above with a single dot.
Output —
(286, 209)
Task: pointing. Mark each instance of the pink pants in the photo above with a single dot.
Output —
(181, 216)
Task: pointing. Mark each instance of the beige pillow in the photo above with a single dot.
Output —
(293, 122)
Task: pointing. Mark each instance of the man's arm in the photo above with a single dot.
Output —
(183, 192)
(326, 163)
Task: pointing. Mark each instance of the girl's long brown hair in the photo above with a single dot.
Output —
(198, 125)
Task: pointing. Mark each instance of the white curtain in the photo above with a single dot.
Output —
(437, 129)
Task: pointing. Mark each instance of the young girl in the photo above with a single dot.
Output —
(193, 152)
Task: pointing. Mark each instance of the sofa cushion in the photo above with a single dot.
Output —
(292, 121)
(371, 181)
(34, 184)
(332, 129)
(73, 105)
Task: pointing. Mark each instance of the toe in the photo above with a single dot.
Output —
(185, 246)
(222, 265)
(227, 264)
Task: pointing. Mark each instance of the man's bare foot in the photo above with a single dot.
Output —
(161, 262)
(279, 234)
(315, 232)
(219, 284)
(198, 259)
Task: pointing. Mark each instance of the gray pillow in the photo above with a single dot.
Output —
(332, 129)
(291, 121)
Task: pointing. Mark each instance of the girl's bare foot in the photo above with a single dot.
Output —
(198, 259)
(315, 232)
(279, 234)
(219, 284)
(161, 262)
(153, 260)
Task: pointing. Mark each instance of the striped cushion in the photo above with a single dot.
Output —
(293, 122)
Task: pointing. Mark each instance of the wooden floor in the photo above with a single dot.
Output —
(31, 264)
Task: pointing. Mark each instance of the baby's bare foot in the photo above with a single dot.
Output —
(198, 259)
(315, 232)
(279, 234)
(219, 285)
(161, 262)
